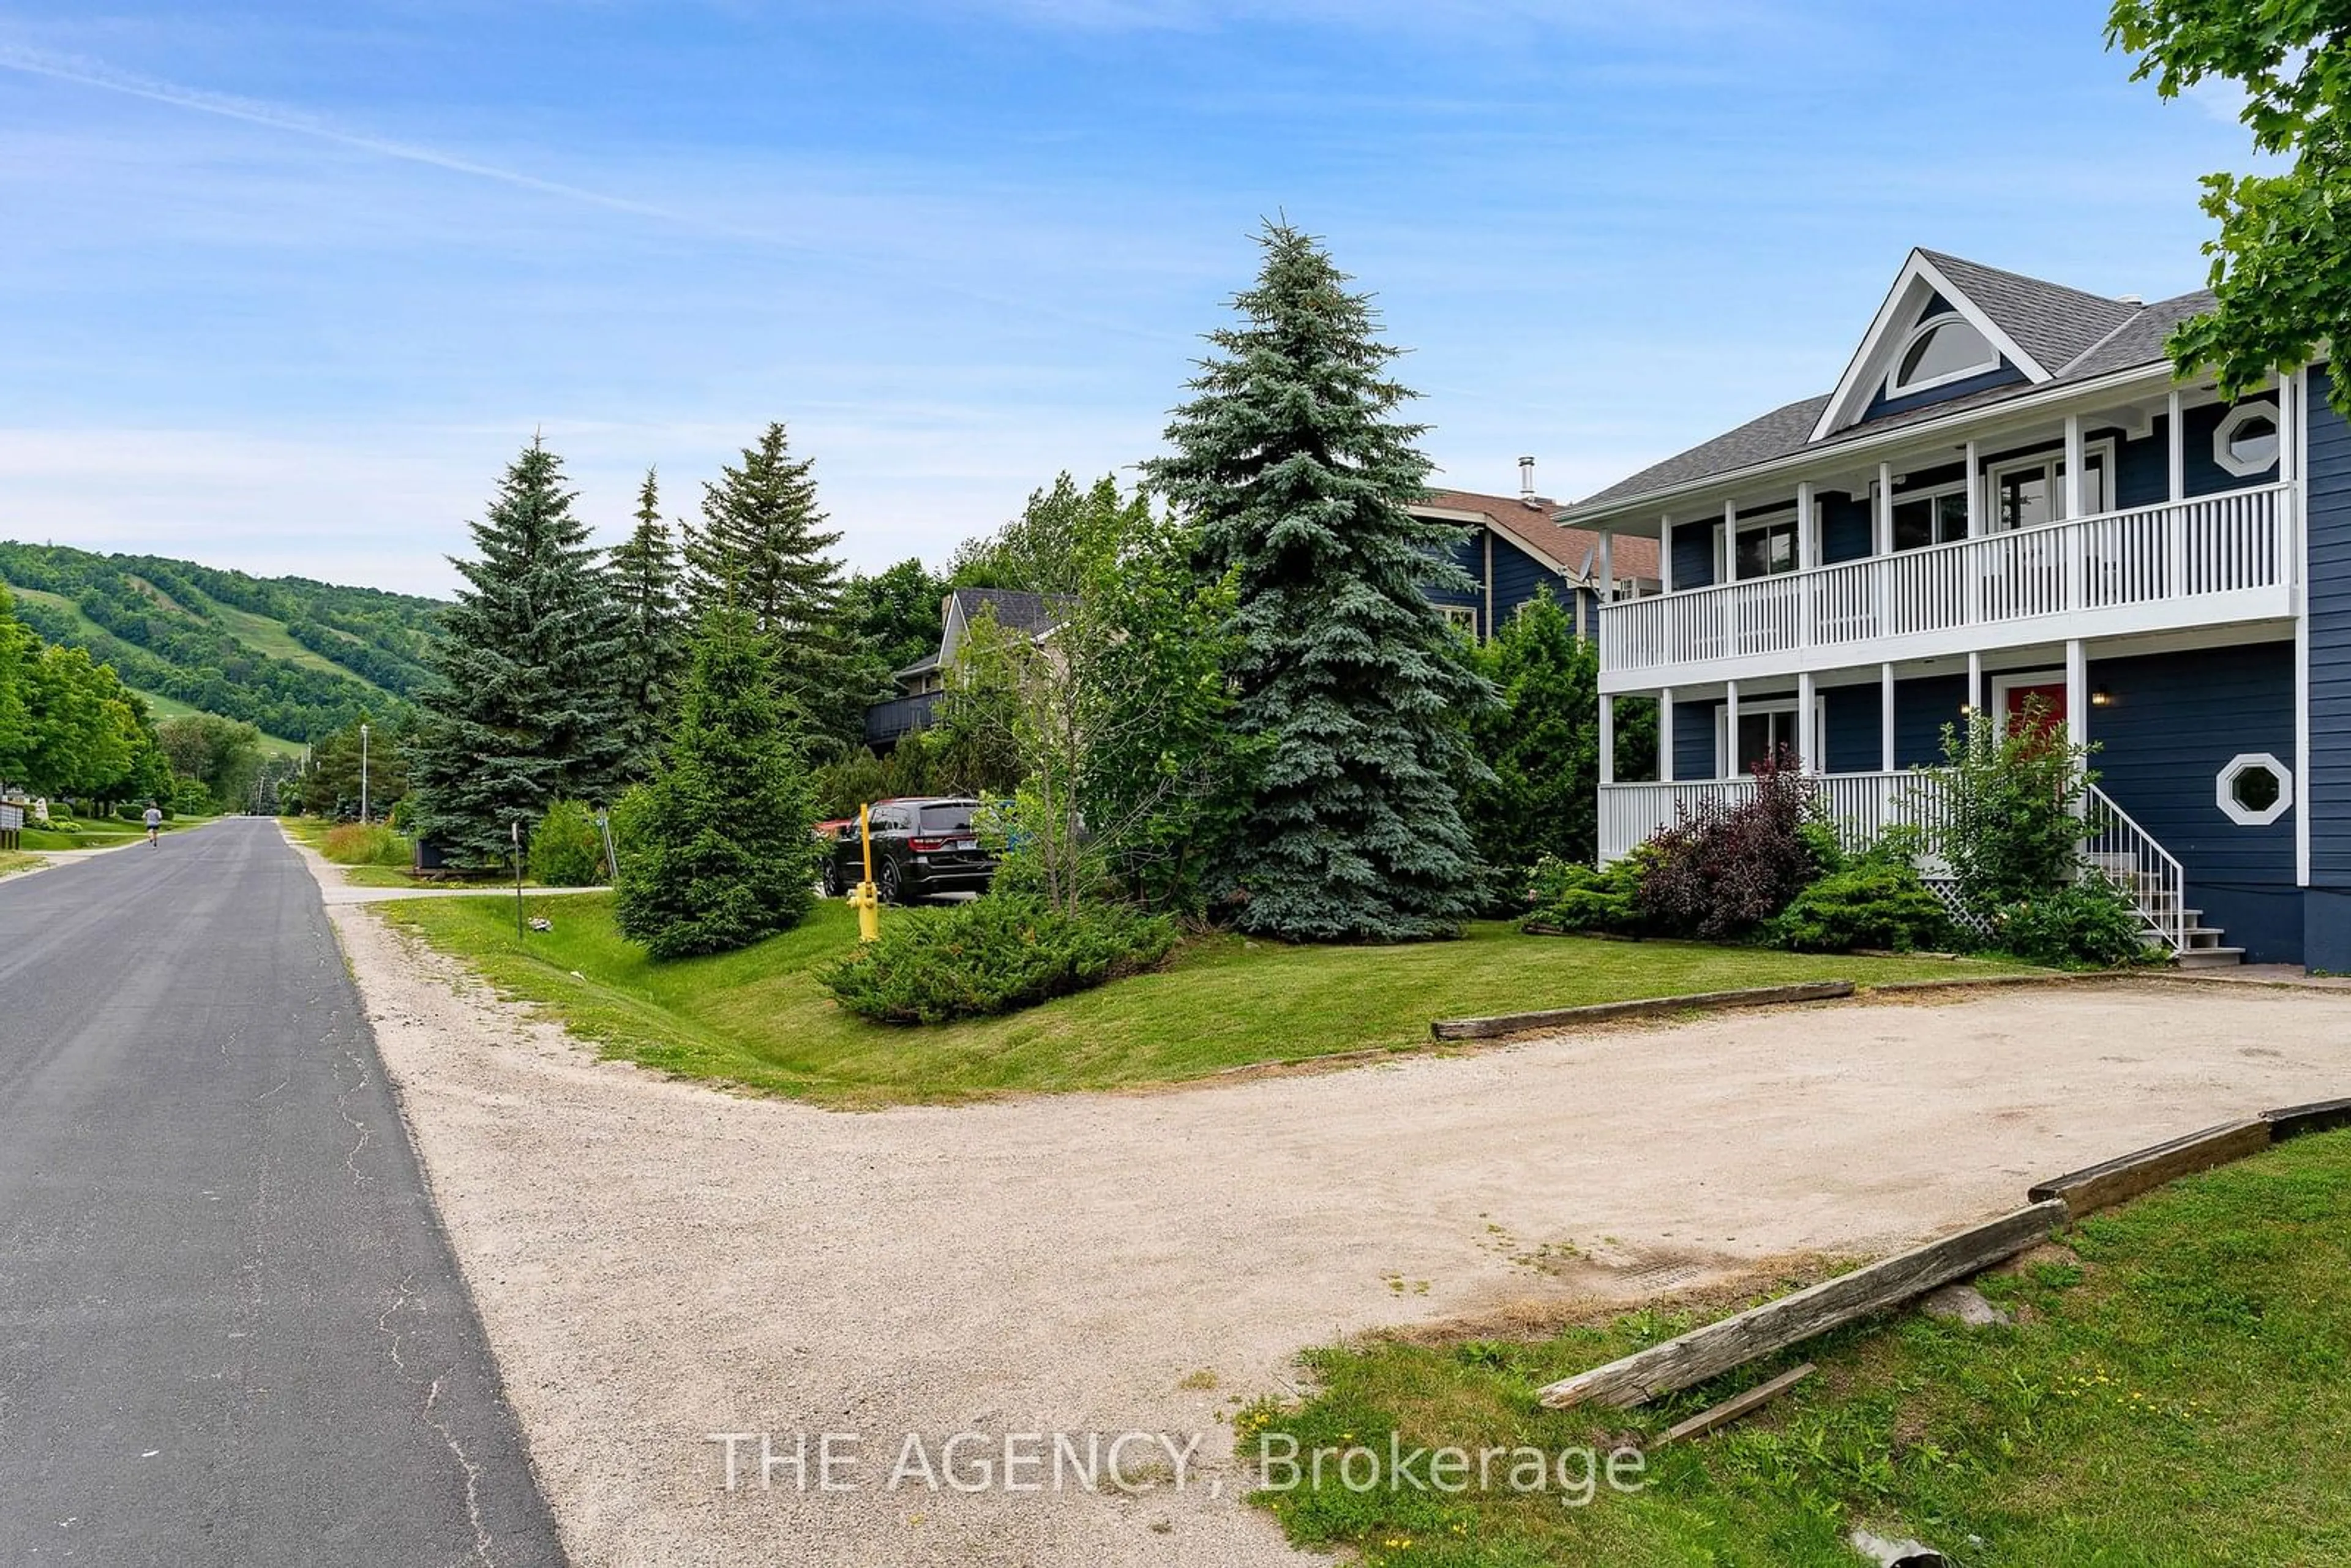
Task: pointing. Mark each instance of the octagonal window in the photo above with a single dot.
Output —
(2246, 441)
(2254, 789)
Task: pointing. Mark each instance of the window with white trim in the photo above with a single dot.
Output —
(1462, 617)
(2254, 789)
(1932, 516)
(1762, 546)
(2245, 442)
(1766, 729)
(2028, 491)
(1939, 350)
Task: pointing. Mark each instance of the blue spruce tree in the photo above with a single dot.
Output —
(524, 709)
(1291, 467)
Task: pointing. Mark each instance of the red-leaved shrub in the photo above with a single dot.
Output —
(1720, 870)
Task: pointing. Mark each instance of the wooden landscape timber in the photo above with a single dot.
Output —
(1731, 1409)
(2111, 1182)
(1709, 1352)
(1648, 1006)
(2318, 1116)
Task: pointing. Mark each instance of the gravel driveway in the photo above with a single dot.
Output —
(656, 1262)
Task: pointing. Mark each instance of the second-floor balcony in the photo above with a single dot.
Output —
(2207, 560)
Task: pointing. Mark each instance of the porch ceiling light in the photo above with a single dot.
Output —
(2254, 789)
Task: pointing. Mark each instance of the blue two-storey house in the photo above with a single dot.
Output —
(2007, 497)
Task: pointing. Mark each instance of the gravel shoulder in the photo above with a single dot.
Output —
(656, 1262)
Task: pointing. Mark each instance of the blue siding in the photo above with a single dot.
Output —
(2143, 468)
(1851, 715)
(1518, 578)
(1694, 740)
(1921, 708)
(1845, 530)
(1691, 558)
(1882, 405)
(2201, 474)
(2326, 776)
(2175, 721)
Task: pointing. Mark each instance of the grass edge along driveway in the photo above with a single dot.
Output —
(759, 1019)
(2176, 1393)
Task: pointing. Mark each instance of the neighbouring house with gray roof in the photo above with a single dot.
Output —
(1032, 615)
(2007, 503)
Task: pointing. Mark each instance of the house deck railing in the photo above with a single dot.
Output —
(1862, 806)
(891, 721)
(2183, 557)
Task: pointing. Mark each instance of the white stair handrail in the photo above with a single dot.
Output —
(2157, 883)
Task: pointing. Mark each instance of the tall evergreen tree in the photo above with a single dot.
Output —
(524, 709)
(762, 547)
(1541, 745)
(643, 576)
(719, 848)
(1291, 463)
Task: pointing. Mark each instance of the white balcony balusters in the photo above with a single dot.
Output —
(2127, 565)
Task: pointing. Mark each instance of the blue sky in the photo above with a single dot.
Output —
(283, 287)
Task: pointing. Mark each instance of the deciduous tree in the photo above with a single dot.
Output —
(2282, 261)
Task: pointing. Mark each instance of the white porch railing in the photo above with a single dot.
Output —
(2173, 554)
(1864, 805)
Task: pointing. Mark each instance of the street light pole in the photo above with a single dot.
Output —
(363, 778)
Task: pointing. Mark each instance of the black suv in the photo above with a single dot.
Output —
(920, 847)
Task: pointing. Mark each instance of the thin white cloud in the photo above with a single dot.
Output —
(85, 72)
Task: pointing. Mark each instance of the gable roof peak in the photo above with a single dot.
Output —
(2035, 326)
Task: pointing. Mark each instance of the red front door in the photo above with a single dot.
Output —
(2045, 705)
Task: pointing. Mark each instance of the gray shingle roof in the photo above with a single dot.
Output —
(2077, 336)
(1029, 613)
(2049, 321)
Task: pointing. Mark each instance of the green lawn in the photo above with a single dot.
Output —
(2180, 1397)
(100, 832)
(758, 1018)
(14, 861)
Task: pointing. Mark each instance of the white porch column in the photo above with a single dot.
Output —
(2177, 487)
(1881, 520)
(1807, 736)
(1608, 738)
(1607, 584)
(1975, 682)
(1727, 765)
(2077, 693)
(1665, 736)
(2073, 464)
(1885, 718)
(1808, 529)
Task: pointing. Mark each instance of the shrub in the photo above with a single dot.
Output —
(2088, 924)
(1871, 902)
(1720, 871)
(1565, 896)
(565, 849)
(2011, 821)
(364, 843)
(998, 955)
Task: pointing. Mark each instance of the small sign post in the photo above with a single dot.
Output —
(517, 860)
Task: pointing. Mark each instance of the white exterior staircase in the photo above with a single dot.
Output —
(2126, 853)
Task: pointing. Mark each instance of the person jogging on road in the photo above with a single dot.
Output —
(154, 823)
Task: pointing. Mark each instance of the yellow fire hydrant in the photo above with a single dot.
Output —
(863, 898)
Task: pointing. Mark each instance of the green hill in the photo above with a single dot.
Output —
(297, 657)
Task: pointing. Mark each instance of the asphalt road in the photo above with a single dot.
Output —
(231, 1330)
